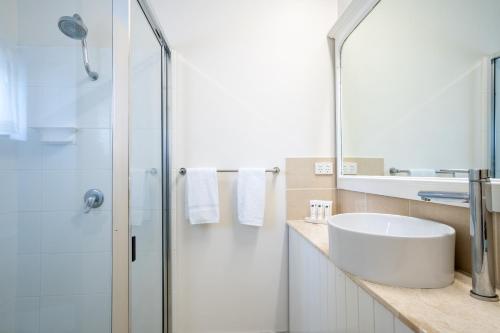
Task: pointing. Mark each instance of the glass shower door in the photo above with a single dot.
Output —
(145, 162)
(55, 146)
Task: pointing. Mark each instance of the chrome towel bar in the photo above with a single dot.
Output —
(274, 170)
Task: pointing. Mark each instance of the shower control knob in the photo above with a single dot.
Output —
(93, 198)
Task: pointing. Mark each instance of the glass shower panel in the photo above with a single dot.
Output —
(55, 145)
(145, 164)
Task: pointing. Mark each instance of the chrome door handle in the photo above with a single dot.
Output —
(93, 198)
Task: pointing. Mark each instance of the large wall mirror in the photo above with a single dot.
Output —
(418, 80)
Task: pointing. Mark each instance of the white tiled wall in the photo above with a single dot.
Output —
(56, 261)
(325, 300)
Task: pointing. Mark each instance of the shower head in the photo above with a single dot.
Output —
(73, 27)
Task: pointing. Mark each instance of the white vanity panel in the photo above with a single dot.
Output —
(323, 291)
(366, 316)
(308, 292)
(384, 320)
(295, 300)
(340, 299)
(331, 299)
(399, 327)
(352, 309)
(325, 300)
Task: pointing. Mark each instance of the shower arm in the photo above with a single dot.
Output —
(93, 75)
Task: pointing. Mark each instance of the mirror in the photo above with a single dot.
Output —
(417, 81)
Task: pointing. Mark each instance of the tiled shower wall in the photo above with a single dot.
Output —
(56, 261)
(300, 172)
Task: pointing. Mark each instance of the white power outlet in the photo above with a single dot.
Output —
(350, 168)
(323, 168)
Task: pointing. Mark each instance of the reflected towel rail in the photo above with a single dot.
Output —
(274, 170)
(394, 171)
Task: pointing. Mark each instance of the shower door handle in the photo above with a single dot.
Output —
(134, 249)
(93, 199)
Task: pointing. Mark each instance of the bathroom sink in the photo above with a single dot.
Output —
(393, 250)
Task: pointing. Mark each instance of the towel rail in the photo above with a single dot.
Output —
(274, 170)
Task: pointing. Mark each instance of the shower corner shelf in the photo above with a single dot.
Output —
(58, 135)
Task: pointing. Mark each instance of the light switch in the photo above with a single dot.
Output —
(323, 168)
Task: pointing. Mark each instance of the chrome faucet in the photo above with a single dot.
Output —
(479, 198)
(93, 198)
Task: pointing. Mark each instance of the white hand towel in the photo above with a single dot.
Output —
(251, 196)
(202, 195)
(422, 173)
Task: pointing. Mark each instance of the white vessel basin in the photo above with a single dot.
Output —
(394, 250)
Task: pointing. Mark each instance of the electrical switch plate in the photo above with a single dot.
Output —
(350, 168)
(323, 168)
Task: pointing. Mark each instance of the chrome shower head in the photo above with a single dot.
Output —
(73, 27)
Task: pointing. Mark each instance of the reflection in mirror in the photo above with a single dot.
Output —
(416, 82)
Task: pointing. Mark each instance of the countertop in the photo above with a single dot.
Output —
(449, 309)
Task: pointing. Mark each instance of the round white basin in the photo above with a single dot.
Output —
(394, 250)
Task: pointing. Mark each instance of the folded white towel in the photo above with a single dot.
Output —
(251, 196)
(202, 195)
(422, 173)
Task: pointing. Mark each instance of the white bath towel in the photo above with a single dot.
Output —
(12, 95)
(422, 173)
(202, 196)
(251, 196)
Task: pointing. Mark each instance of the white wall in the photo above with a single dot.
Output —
(342, 5)
(414, 83)
(253, 85)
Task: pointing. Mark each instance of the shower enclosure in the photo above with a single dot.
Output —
(83, 167)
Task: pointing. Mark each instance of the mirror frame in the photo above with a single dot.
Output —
(393, 186)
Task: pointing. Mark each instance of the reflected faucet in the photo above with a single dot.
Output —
(479, 198)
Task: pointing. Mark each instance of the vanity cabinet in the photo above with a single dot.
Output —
(323, 299)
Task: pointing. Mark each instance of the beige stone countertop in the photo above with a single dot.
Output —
(449, 309)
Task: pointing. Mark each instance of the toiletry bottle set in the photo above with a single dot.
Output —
(320, 210)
